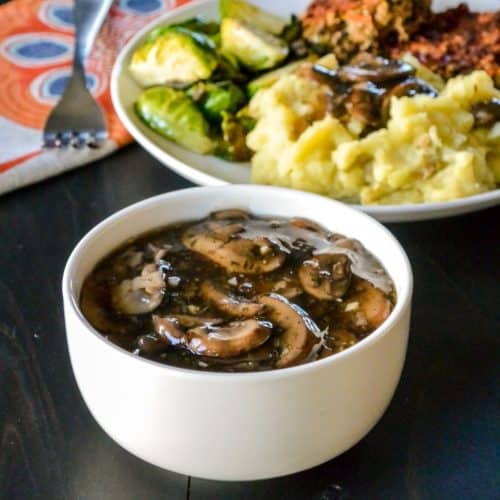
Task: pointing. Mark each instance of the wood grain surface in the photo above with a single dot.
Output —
(437, 440)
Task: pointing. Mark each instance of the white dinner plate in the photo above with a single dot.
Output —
(212, 171)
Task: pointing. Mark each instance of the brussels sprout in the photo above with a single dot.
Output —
(244, 11)
(196, 24)
(271, 77)
(175, 56)
(233, 146)
(208, 29)
(214, 98)
(254, 48)
(173, 114)
(201, 25)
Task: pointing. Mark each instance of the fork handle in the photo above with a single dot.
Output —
(89, 16)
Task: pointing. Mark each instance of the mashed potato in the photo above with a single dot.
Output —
(428, 152)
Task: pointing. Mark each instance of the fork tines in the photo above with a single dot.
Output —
(74, 138)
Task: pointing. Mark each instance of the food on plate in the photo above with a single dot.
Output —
(175, 55)
(245, 11)
(235, 292)
(430, 148)
(172, 114)
(270, 77)
(211, 63)
(456, 41)
(347, 28)
(217, 98)
(361, 92)
(254, 48)
(233, 144)
(449, 43)
(366, 101)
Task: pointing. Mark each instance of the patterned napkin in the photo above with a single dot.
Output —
(36, 44)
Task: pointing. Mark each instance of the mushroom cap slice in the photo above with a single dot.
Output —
(169, 330)
(229, 304)
(300, 333)
(188, 321)
(151, 343)
(375, 69)
(373, 304)
(326, 276)
(307, 224)
(264, 354)
(224, 245)
(227, 341)
(231, 213)
(139, 295)
(486, 113)
(288, 287)
(362, 102)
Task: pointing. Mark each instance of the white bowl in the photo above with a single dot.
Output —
(213, 171)
(237, 426)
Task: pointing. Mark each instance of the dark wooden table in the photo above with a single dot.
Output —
(438, 439)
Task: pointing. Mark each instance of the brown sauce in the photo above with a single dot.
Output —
(238, 293)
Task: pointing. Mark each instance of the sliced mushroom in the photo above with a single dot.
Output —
(300, 334)
(227, 341)
(324, 76)
(375, 69)
(139, 295)
(349, 243)
(169, 330)
(326, 276)
(229, 304)
(187, 321)
(307, 224)
(409, 87)
(225, 232)
(231, 214)
(288, 287)
(372, 305)
(151, 343)
(363, 102)
(486, 113)
(263, 355)
(231, 251)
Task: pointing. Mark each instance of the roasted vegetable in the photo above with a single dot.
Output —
(176, 56)
(245, 11)
(254, 48)
(200, 25)
(196, 24)
(214, 98)
(173, 114)
(233, 146)
(228, 69)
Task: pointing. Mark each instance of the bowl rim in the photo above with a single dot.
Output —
(385, 212)
(403, 301)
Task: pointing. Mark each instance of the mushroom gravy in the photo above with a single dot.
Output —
(235, 292)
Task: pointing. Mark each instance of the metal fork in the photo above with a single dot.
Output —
(78, 120)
